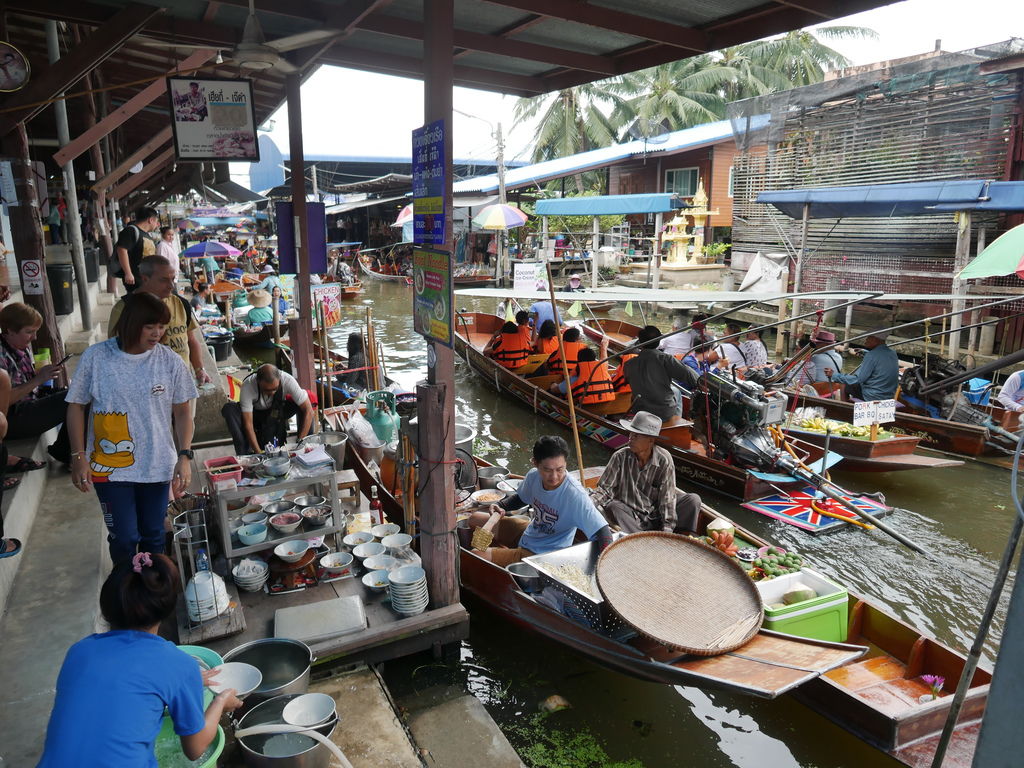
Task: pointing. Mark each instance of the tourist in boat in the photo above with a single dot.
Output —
(803, 374)
(829, 358)
(619, 382)
(547, 338)
(651, 375)
(34, 407)
(1011, 394)
(572, 345)
(524, 325)
(637, 490)
(133, 385)
(574, 284)
(591, 382)
(182, 331)
(115, 687)
(877, 377)
(510, 347)
(269, 399)
(730, 355)
(681, 341)
(561, 507)
(260, 313)
(282, 302)
(754, 352)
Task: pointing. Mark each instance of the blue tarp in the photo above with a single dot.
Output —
(219, 221)
(910, 199)
(609, 205)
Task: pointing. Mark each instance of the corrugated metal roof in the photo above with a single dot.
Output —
(688, 138)
(606, 205)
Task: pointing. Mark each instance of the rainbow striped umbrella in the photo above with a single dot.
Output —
(500, 216)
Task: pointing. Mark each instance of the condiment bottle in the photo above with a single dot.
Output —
(376, 512)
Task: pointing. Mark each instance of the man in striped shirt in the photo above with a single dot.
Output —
(637, 490)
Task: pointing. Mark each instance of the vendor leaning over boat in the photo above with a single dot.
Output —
(877, 377)
(637, 490)
(560, 503)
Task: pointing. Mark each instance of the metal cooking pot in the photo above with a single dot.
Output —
(489, 477)
(285, 665)
(333, 443)
(526, 576)
(312, 755)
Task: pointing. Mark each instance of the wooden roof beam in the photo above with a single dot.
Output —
(143, 98)
(411, 30)
(509, 31)
(62, 74)
(685, 38)
(136, 180)
(115, 173)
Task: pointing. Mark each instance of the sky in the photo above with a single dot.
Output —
(359, 112)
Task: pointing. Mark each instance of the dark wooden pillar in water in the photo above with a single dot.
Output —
(439, 545)
(300, 330)
(27, 234)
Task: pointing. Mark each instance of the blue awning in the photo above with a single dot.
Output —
(887, 200)
(609, 205)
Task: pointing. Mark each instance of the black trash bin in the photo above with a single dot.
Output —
(61, 278)
(221, 344)
(92, 263)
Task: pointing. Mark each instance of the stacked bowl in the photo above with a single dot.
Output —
(408, 590)
(206, 596)
(251, 574)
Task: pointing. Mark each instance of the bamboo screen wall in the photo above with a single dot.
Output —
(943, 124)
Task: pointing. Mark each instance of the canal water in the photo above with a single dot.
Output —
(960, 515)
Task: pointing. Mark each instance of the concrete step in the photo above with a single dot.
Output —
(460, 732)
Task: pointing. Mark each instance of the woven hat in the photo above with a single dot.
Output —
(643, 423)
(267, 270)
(574, 279)
(259, 298)
(824, 336)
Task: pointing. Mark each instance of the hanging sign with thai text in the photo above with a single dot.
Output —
(429, 184)
(432, 294)
(213, 119)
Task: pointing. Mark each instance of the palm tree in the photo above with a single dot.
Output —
(800, 56)
(676, 95)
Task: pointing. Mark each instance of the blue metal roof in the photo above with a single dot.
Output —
(909, 199)
(538, 173)
(609, 205)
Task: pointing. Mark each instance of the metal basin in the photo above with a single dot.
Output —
(526, 576)
(285, 665)
(489, 477)
(308, 752)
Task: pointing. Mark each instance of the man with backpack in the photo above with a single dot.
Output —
(133, 245)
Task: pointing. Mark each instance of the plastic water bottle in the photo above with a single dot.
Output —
(202, 560)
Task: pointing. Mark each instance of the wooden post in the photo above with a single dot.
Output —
(439, 546)
(798, 275)
(656, 256)
(595, 242)
(27, 233)
(960, 259)
(300, 330)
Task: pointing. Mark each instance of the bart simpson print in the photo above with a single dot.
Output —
(113, 447)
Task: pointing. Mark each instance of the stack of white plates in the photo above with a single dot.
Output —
(206, 596)
(251, 574)
(408, 590)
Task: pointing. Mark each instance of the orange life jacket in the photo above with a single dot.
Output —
(512, 350)
(619, 382)
(547, 346)
(593, 384)
(572, 352)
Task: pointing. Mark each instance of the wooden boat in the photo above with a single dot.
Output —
(349, 292)
(255, 337)
(875, 696)
(619, 333)
(889, 453)
(465, 280)
(593, 306)
(366, 265)
(601, 422)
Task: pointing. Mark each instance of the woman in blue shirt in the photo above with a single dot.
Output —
(113, 687)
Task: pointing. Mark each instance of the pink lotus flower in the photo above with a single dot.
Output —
(935, 683)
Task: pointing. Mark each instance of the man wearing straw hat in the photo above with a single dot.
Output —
(877, 377)
(637, 490)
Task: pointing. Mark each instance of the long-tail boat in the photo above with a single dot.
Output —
(366, 265)
(876, 696)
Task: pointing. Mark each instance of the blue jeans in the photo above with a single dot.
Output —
(134, 515)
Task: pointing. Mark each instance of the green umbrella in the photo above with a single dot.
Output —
(1005, 256)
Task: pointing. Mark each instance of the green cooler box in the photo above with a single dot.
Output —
(823, 618)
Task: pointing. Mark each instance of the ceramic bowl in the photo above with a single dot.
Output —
(309, 709)
(368, 549)
(291, 551)
(252, 534)
(487, 496)
(396, 541)
(385, 529)
(376, 581)
(409, 574)
(286, 522)
(355, 539)
(336, 562)
(254, 518)
(278, 466)
(244, 678)
(380, 563)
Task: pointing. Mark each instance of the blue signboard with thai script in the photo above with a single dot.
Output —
(316, 238)
(429, 184)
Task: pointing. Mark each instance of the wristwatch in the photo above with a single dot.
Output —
(187, 453)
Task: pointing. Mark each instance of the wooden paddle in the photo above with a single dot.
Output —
(565, 373)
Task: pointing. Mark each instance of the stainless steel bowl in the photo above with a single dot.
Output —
(490, 476)
(277, 507)
(277, 467)
(316, 517)
(309, 501)
(285, 665)
(526, 576)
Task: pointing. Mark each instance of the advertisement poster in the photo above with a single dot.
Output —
(327, 300)
(432, 294)
(316, 238)
(214, 119)
(428, 184)
(528, 277)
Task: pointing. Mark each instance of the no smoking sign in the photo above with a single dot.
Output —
(32, 277)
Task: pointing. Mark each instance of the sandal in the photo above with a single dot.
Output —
(10, 483)
(5, 552)
(24, 464)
